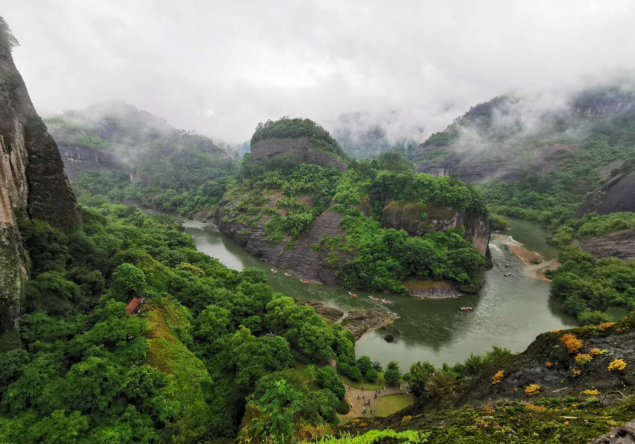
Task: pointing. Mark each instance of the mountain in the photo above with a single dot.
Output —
(32, 185)
(301, 204)
(508, 136)
(115, 135)
(362, 140)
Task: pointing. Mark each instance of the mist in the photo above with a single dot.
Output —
(221, 67)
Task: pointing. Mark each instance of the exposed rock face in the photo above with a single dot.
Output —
(418, 220)
(32, 184)
(306, 263)
(78, 158)
(617, 194)
(331, 314)
(299, 148)
(359, 322)
(620, 244)
(620, 435)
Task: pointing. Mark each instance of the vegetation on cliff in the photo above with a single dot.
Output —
(286, 197)
(208, 339)
(162, 167)
(286, 128)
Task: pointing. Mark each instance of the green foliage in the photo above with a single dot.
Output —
(350, 371)
(279, 403)
(128, 281)
(419, 372)
(286, 128)
(380, 436)
(392, 375)
(372, 375)
(364, 364)
(589, 287)
(328, 380)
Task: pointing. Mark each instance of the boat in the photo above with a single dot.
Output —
(353, 295)
(274, 271)
(467, 308)
(304, 282)
(373, 298)
(387, 302)
(288, 275)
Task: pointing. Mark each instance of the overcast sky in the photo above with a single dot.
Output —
(220, 67)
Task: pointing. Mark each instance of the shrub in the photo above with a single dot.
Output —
(571, 342)
(372, 375)
(589, 392)
(617, 365)
(498, 377)
(583, 358)
(532, 390)
(190, 268)
(343, 407)
(350, 371)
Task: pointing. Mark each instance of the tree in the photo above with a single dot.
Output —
(349, 370)
(328, 379)
(419, 372)
(213, 323)
(364, 364)
(279, 403)
(127, 281)
(392, 375)
(315, 342)
(372, 375)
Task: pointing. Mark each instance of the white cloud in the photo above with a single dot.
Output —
(221, 67)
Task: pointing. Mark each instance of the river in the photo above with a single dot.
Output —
(509, 312)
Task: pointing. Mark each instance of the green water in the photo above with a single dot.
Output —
(509, 312)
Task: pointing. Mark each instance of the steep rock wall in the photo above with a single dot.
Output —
(300, 148)
(302, 260)
(418, 220)
(79, 158)
(617, 194)
(32, 184)
(620, 244)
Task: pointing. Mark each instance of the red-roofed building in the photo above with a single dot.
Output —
(134, 305)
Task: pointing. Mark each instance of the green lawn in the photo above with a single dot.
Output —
(393, 403)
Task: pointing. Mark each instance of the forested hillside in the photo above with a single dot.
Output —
(147, 161)
(295, 215)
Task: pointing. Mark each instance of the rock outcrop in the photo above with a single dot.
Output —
(298, 148)
(79, 158)
(418, 220)
(620, 244)
(617, 194)
(311, 265)
(32, 185)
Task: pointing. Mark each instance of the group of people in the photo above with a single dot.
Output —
(367, 400)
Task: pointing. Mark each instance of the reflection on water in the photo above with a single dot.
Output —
(510, 311)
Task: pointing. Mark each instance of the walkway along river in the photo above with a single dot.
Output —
(510, 311)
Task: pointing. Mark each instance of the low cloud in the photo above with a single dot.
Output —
(221, 67)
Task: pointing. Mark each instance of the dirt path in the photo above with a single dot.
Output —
(353, 393)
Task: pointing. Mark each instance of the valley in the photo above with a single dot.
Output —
(508, 312)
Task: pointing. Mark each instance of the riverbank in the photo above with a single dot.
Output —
(508, 312)
(358, 321)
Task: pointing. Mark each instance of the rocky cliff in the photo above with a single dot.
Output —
(620, 244)
(616, 195)
(32, 184)
(418, 220)
(297, 148)
(79, 158)
(311, 265)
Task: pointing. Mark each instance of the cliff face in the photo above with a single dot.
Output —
(78, 158)
(616, 195)
(301, 259)
(32, 184)
(299, 148)
(620, 244)
(418, 220)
